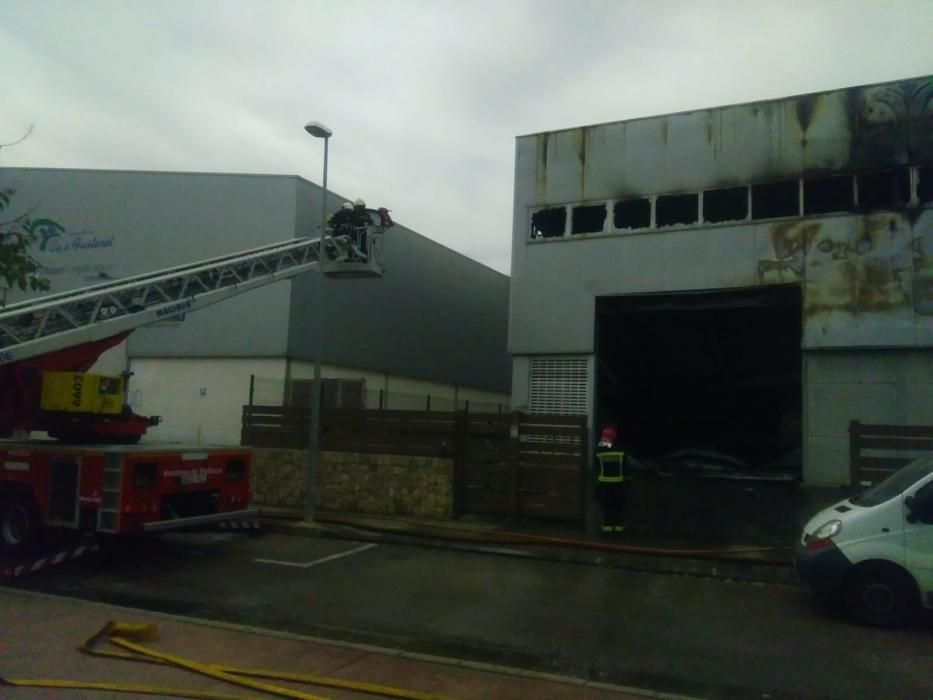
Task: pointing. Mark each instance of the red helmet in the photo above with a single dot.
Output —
(607, 437)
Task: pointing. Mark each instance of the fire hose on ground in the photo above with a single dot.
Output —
(507, 537)
(131, 637)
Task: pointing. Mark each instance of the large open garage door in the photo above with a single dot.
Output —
(706, 382)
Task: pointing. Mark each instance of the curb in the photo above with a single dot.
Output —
(750, 572)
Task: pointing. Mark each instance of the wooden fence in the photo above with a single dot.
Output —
(890, 448)
(423, 433)
(275, 426)
(505, 463)
(517, 464)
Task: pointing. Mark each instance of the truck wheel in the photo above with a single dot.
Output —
(880, 596)
(19, 524)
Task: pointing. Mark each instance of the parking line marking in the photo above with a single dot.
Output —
(322, 560)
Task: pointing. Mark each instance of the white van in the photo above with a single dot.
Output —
(874, 551)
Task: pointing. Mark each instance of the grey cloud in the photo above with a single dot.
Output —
(425, 97)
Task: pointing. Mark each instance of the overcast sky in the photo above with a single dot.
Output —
(425, 97)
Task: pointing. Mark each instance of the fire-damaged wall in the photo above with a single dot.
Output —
(867, 280)
(832, 192)
(860, 128)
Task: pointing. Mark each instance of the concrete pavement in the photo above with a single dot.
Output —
(39, 635)
(679, 634)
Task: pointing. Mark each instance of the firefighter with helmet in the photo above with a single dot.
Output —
(610, 479)
(361, 223)
(360, 215)
(341, 221)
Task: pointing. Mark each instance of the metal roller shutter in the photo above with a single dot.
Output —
(559, 386)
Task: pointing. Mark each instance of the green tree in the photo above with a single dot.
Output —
(18, 268)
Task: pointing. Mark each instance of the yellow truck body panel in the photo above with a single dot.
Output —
(80, 392)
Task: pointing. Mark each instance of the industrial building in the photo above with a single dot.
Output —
(434, 325)
(746, 279)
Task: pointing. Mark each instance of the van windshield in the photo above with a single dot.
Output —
(896, 484)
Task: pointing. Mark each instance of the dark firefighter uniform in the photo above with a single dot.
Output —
(610, 481)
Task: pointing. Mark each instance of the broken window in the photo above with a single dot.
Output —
(549, 223)
(589, 219)
(828, 194)
(673, 209)
(725, 205)
(925, 185)
(632, 214)
(776, 199)
(883, 189)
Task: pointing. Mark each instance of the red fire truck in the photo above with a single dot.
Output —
(91, 476)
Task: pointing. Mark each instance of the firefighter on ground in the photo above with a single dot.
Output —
(610, 480)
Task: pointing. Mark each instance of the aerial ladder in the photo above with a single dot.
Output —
(95, 480)
(48, 344)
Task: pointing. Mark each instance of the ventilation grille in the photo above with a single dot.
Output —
(559, 386)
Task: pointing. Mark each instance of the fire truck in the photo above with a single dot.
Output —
(91, 475)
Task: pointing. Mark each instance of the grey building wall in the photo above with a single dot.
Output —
(154, 221)
(434, 315)
(866, 279)
(883, 386)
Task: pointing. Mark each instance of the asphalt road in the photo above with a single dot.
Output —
(668, 633)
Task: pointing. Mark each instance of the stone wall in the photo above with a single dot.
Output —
(277, 477)
(356, 483)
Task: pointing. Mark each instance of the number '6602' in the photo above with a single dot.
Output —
(76, 385)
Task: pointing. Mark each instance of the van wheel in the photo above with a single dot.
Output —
(880, 596)
(19, 524)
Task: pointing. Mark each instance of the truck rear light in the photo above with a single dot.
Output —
(144, 475)
(236, 469)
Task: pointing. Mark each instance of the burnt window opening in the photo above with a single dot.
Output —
(725, 205)
(883, 189)
(925, 185)
(588, 219)
(549, 223)
(828, 194)
(632, 214)
(776, 199)
(673, 209)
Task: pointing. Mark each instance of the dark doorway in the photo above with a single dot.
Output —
(708, 370)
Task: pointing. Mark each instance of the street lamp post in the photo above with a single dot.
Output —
(318, 131)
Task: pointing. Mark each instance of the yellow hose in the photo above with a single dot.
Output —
(117, 688)
(128, 636)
